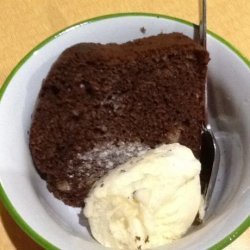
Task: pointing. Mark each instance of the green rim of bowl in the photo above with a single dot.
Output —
(7, 203)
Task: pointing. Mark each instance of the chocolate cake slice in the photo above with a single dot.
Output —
(102, 104)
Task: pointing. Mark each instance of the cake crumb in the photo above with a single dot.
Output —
(143, 30)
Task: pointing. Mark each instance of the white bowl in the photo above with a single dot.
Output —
(55, 225)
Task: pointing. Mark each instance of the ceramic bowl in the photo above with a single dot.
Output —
(57, 226)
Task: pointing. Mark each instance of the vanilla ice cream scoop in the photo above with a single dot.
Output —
(149, 201)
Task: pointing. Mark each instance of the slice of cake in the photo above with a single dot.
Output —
(100, 105)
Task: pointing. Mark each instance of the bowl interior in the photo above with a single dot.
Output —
(229, 102)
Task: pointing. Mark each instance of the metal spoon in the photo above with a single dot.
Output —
(210, 155)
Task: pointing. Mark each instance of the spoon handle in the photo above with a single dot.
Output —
(203, 24)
